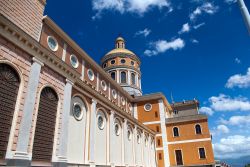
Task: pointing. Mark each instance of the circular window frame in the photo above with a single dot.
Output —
(117, 133)
(73, 112)
(132, 63)
(138, 138)
(103, 123)
(93, 77)
(123, 101)
(112, 61)
(114, 93)
(77, 63)
(53, 38)
(145, 108)
(122, 60)
(129, 135)
(104, 85)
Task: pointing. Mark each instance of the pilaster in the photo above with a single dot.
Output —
(92, 132)
(29, 104)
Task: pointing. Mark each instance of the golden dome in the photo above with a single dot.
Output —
(120, 50)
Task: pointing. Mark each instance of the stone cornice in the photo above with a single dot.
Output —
(17, 36)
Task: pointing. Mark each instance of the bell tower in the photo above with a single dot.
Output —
(124, 67)
(26, 14)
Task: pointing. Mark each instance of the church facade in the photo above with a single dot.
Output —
(58, 107)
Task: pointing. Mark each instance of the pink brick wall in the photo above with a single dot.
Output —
(23, 61)
(27, 14)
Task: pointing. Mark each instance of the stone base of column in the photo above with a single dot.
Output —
(18, 162)
(92, 165)
(60, 164)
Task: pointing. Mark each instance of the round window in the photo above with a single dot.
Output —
(132, 63)
(147, 107)
(114, 93)
(129, 135)
(123, 101)
(74, 61)
(52, 43)
(103, 85)
(138, 138)
(91, 74)
(77, 111)
(112, 62)
(101, 122)
(117, 129)
(123, 61)
(129, 107)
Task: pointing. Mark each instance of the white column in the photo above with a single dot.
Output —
(111, 138)
(245, 13)
(135, 111)
(118, 76)
(125, 135)
(123, 126)
(135, 144)
(92, 133)
(129, 77)
(164, 133)
(29, 104)
(63, 138)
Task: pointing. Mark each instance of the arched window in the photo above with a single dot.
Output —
(197, 129)
(9, 86)
(133, 78)
(113, 75)
(45, 125)
(176, 131)
(123, 77)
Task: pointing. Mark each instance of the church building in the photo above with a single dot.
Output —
(58, 107)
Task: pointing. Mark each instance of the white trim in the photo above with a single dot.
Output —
(158, 135)
(159, 149)
(164, 133)
(64, 51)
(189, 141)
(83, 68)
(151, 123)
(135, 111)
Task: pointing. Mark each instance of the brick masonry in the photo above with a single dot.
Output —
(29, 12)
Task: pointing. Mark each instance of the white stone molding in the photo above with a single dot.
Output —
(64, 51)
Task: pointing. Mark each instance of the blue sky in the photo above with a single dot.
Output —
(190, 48)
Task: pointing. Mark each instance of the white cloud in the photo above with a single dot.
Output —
(207, 8)
(239, 80)
(185, 28)
(222, 129)
(237, 120)
(199, 25)
(162, 46)
(232, 146)
(132, 6)
(237, 60)
(206, 110)
(230, 1)
(144, 32)
(226, 103)
(194, 41)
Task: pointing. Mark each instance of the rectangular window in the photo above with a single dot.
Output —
(157, 129)
(156, 114)
(160, 158)
(178, 156)
(202, 153)
(158, 142)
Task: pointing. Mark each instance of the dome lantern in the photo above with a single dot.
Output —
(120, 43)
